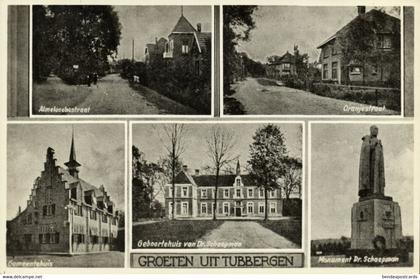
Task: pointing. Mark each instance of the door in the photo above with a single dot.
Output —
(238, 212)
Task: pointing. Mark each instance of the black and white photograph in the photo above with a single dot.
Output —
(121, 60)
(362, 208)
(311, 60)
(217, 185)
(65, 195)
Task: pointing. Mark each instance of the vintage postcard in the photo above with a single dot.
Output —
(120, 60)
(223, 186)
(370, 181)
(312, 60)
(65, 195)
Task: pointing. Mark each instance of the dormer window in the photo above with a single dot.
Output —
(238, 182)
(73, 193)
(384, 41)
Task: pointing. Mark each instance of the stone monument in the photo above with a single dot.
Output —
(375, 218)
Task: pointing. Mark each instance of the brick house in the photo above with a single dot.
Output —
(336, 69)
(237, 196)
(186, 47)
(283, 66)
(64, 214)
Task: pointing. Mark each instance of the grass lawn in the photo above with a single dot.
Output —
(106, 259)
(173, 230)
(54, 92)
(288, 228)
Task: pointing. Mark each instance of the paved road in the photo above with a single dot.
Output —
(113, 95)
(250, 234)
(269, 100)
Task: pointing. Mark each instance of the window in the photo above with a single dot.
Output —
(54, 238)
(261, 207)
(184, 191)
(204, 193)
(185, 47)
(29, 219)
(384, 41)
(325, 71)
(171, 45)
(238, 193)
(225, 208)
(78, 238)
(104, 218)
(226, 193)
(286, 66)
(213, 193)
(250, 193)
(326, 54)
(272, 193)
(375, 69)
(334, 72)
(334, 51)
(170, 192)
(78, 210)
(238, 182)
(48, 210)
(197, 67)
(262, 193)
(184, 209)
(250, 207)
(273, 207)
(210, 209)
(204, 208)
(73, 193)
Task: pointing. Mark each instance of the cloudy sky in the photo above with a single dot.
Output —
(335, 172)
(148, 137)
(100, 153)
(279, 28)
(145, 23)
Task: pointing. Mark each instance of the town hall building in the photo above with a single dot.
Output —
(64, 213)
(237, 196)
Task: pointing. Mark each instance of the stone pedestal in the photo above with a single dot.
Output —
(375, 218)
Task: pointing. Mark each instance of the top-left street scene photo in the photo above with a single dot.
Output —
(121, 60)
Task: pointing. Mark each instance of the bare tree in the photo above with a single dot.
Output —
(219, 148)
(174, 143)
(292, 179)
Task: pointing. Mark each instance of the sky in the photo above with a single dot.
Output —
(100, 153)
(145, 23)
(195, 156)
(335, 173)
(279, 28)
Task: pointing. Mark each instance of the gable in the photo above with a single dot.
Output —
(183, 26)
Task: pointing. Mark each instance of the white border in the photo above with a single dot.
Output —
(233, 250)
(99, 116)
(353, 269)
(250, 116)
(50, 270)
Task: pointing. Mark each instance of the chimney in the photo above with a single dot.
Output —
(361, 10)
(197, 172)
(185, 168)
(198, 27)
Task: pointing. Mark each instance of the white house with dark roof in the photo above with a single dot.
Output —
(237, 196)
(64, 213)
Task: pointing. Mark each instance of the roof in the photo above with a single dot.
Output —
(286, 58)
(370, 16)
(210, 180)
(183, 26)
(202, 39)
(86, 186)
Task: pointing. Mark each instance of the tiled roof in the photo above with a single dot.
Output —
(210, 180)
(370, 16)
(85, 185)
(183, 26)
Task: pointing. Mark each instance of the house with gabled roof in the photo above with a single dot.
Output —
(64, 213)
(237, 196)
(281, 66)
(384, 49)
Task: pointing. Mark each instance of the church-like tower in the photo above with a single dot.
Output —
(72, 164)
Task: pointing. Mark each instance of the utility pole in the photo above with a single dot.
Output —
(132, 51)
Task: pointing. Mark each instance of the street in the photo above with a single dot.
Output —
(272, 100)
(250, 234)
(112, 95)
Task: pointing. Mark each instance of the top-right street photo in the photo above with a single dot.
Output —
(297, 60)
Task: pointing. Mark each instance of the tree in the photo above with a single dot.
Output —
(267, 165)
(219, 147)
(174, 143)
(86, 36)
(237, 25)
(292, 179)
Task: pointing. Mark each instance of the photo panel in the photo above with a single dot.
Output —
(217, 194)
(97, 60)
(362, 208)
(314, 60)
(66, 195)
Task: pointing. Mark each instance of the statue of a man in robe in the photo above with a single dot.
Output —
(371, 168)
